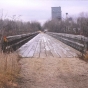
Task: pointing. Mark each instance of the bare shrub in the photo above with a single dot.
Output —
(86, 56)
(9, 70)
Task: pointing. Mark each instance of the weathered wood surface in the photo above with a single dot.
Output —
(12, 43)
(78, 42)
(43, 46)
(71, 36)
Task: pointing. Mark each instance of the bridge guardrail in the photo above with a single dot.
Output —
(78, 42)
(16, 41)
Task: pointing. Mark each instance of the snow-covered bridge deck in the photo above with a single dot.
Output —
(43, 46)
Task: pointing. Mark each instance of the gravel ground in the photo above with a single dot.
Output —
(54, 73)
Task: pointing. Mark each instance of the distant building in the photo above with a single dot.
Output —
(56, 13)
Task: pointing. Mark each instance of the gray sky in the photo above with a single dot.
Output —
(40, 10)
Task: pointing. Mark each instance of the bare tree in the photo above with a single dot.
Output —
(69, 25)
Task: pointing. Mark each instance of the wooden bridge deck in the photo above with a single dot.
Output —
(44, 46)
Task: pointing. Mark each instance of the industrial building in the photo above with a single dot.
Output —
(56, 13)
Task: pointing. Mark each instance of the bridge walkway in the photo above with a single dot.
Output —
(44, 46)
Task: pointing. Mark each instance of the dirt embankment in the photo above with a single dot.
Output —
(54, 73)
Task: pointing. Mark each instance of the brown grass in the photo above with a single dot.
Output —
(9, 69)
(86, 56)
(54, 73)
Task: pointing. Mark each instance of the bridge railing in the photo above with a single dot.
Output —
(11, 43)
(78, 42)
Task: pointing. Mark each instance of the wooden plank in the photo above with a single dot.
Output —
(24, 51)
(32, 50)
(69, 49)
(42, 48)
(53, 50)
(55, 44)
(25, 46)
(37, 51)
(48, 50)
(45, 46)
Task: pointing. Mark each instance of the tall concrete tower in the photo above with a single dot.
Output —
(56, 13)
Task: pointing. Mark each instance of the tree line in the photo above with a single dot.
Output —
(70, 25)
(14, 27)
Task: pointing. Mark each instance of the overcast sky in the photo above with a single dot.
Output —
(40, 10)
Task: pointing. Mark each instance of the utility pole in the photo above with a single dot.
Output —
(66, 22)
(66, 15)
